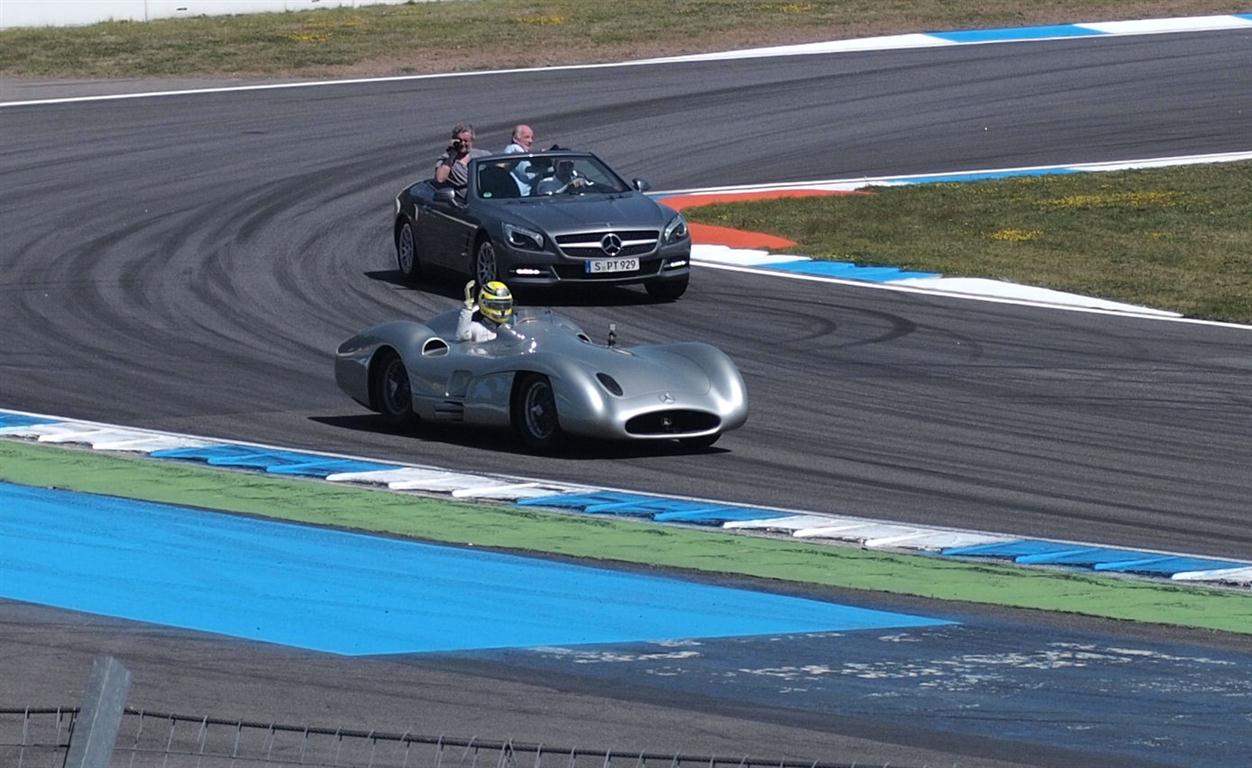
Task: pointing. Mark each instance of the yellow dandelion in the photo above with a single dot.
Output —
(1012, 235)
(1139, 200)
(541, 21)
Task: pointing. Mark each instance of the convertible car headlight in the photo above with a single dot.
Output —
(676, 230)
(520, 237)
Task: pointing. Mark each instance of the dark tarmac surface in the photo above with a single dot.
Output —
(187, 263)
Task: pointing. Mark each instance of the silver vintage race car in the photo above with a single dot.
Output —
(543, 219)
(545, 379)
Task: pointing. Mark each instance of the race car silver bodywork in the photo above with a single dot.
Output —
(545, 379)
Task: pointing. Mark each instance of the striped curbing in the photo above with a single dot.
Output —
(979, 37)
(723, 248)
(525, 492)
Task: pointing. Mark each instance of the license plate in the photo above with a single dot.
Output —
(600, 266)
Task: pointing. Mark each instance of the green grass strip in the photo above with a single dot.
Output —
(611, 539)
(1171, 238)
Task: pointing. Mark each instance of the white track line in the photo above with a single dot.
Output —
(888, 42)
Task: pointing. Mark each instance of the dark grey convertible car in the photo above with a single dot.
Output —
(546, 218)
(545, 378)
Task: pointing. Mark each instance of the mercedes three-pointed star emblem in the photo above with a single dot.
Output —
(611, 244)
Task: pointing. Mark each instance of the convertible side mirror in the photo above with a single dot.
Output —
(446, 195)
(641, 184)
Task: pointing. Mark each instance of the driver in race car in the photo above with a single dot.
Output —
(489, 317)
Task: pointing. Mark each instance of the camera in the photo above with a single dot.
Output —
(458, 146)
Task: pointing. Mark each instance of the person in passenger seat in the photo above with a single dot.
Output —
(452, 168)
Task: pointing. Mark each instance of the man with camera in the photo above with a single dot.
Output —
(452, 169)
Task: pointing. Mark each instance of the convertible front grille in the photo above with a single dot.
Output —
(589, 245)
(577, 271)
(672, 422)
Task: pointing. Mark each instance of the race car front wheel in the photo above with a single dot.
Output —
(534, 414)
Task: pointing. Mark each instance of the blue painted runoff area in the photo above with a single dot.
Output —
(356, 594)
(1027, 552)
(961, 178)
(22, 420)
(847, 270)
(1016, 33)
(271, 460)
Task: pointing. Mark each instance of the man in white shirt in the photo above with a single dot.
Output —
(522, 140)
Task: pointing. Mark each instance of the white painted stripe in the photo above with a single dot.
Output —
(878, 286)
(378, 476)
(889, 42)
(49, 430)
(148, 443)
(974, 286)
(415, 479)
(743, 257)
(979, 286)
(89, 435)
(510, 491)
(1160, 26)
(856, 532)
(857, 45)
(792, 523)
(1224, 575)
(933, 541)
(860, 182)
(459, 484)
(446, 484)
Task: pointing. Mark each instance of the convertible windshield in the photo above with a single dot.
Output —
(546, 175)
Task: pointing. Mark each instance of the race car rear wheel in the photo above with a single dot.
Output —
(534, 414)
(666, 290)
(406, 252)
(392, 396)
(485, 269)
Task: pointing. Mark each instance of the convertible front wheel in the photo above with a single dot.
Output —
(485, 263)
(392, 396)
(534, 414)
(406, 252)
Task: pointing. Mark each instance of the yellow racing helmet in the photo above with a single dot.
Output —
(495, 301)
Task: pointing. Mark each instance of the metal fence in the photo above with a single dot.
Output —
(40, 738)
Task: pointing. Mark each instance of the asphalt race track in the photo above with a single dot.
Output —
(188, 263)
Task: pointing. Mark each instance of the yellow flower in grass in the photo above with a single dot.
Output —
(795, 7)
(1012, 235)
(541, 21)
(1138, 200)
(309, 37)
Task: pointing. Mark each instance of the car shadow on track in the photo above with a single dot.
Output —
(452, 286)
(500, 441)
